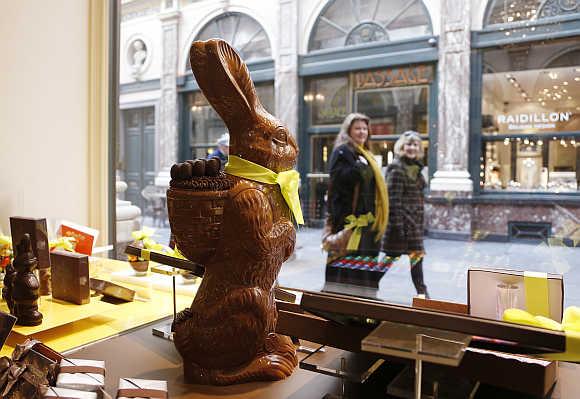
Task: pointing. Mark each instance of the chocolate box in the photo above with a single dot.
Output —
(54, 392)
(112, 290)
(70, 277)
(81, 374)
(136, 388)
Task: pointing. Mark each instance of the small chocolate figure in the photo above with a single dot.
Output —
(25, 286)
(9, 275)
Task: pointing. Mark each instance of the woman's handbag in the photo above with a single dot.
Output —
(336, 243)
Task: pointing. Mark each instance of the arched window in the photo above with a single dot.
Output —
(508, 11)
(244, 33)
(349, 22)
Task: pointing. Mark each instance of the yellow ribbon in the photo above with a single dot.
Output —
(65, 243)
(570, 325)
(357, 223)
(537, 298)
(381, 195)
(287, 180)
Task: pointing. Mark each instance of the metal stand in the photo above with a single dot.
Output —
(348, 366)
(164, 331)
(421, 344)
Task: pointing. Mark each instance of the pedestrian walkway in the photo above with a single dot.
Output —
(445, 267)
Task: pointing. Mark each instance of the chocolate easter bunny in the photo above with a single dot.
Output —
(239, 229)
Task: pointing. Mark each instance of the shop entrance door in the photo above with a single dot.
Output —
(139, 134)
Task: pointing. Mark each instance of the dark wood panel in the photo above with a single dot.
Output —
(534, 339)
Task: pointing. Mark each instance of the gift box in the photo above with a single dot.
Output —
(80, 374)
(70, 277)
(145, 389)
(55, 392)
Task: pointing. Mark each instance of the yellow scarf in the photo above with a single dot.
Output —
(381, 195)
(287, 180)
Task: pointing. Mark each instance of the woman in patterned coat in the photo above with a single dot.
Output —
(404, 235)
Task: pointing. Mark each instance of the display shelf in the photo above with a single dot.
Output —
(112, 319)
(57, 313)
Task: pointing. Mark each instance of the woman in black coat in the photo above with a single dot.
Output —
(404, 235)
(356, 190)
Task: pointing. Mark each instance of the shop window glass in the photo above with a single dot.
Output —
(396, 110)
(508, 11)
(327, 99)
(245, 34)
(345, 22)
(207, 126)
(531, 118)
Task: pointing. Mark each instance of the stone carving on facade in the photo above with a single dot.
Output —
(553, 8)
(137, 57)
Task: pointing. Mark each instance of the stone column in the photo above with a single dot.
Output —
(286, 79)
(167, 138)
(454, 89)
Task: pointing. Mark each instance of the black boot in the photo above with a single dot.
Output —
(417, 277)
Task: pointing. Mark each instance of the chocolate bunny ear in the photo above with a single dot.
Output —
(225, 81)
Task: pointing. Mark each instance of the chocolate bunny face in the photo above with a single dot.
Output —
(255, 135)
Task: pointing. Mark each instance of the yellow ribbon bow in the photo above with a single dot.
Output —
(65, 243)
(570, 325)
(141, 235)
(287, 180)
(357, 223)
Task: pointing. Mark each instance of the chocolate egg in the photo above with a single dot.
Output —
(198, 167)
(174, 171)
(185, 170)
(212, 167)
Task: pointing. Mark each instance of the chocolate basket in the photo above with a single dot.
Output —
(196, 209)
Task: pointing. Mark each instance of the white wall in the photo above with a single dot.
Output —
(44, 110)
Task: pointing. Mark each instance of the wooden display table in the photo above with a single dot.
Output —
(150, 357)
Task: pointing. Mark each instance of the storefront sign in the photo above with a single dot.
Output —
(540, 120)
(419, 74)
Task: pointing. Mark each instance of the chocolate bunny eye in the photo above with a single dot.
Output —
(281, 136)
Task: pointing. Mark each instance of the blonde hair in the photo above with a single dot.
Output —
(344, 134)
(406, 138)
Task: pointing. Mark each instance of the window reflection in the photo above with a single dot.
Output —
(531, 118)
(206, 126)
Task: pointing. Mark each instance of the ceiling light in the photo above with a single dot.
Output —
(565, 83)
(544, 104)
(540, 142)
(577, 79)
(555, 86)
(553, 75)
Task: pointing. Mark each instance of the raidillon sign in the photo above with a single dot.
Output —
(538, 120)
